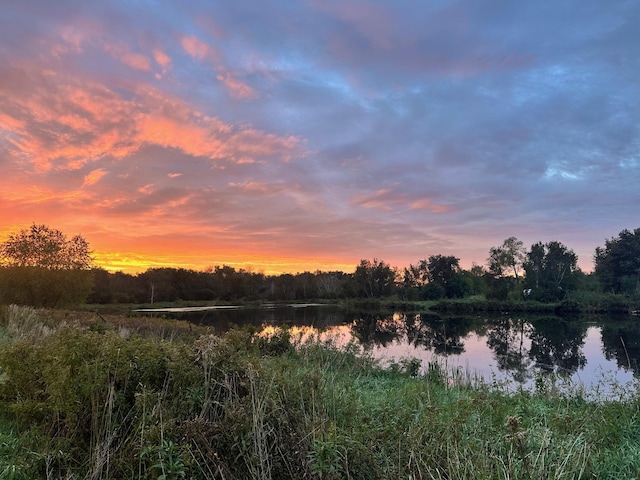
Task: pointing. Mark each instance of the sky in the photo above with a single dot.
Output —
(304, 135)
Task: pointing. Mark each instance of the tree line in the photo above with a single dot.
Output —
(42, 267)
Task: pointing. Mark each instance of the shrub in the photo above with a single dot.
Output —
(81, 388)
(43, 287)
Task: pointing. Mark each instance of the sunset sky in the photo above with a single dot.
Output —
(294, 135)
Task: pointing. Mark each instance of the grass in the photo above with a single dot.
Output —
(117, 397)
(13, 456)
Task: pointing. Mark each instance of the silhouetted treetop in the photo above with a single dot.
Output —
(42, 246)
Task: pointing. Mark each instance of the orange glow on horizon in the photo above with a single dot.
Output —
(135, 263)
(136, 253)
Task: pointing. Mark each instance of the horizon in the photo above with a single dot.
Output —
(307, 136)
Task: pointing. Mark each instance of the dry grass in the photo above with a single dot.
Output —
(28, 322)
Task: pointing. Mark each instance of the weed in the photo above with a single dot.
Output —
(166, 460)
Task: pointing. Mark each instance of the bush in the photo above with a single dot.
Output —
(82, 388)
(42, 287)
(499, 287)
(432, 291)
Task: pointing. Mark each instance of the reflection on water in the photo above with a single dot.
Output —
(598, 353)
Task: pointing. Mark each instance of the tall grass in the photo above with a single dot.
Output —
(82, 402)
(25, 322)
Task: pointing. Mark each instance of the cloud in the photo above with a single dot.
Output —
(236, 88)
(198, 49)
(161, 58)
(93, 177)
(259, 188)
(388, 200)
(331, 129)
(137, 61)
(72, 123)
(376, 23)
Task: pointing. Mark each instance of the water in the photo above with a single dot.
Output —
(597, 354)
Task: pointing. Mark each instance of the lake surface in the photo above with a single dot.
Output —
(596, 353)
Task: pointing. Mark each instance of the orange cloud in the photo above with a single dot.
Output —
(72, 124)
(93, 177)
(166, 132)
(146, 188)
(9, 123)
(427, 204)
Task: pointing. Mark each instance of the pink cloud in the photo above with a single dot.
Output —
(167, 132)
(137, 61)
(197, 48)
(93, 177)
(250, 143)
(10, 124)
(236, 88)
(69, 45)
(73, 122)
(258, 187)
(386, 200)
(378, 200)
(427, 204)
(146, 189)
(161, 58)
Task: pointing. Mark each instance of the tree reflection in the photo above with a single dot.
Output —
(552, 344)
(507, 340)
(376, 329)
(444, 335)
(431, 332)
(418, 330)
(556, 344)
(621, 342)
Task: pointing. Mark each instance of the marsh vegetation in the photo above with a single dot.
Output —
(88, 397)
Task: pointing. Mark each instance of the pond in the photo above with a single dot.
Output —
(596, 353)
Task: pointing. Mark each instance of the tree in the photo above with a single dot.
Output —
(445, 271)
(373, 278)
(560, 264)
(476, 279)
(330, 284)
(550, 270)
(507, 257)
(41, 246)
(442, 268)
(41, 267)
(617, 265)
(413, 279)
